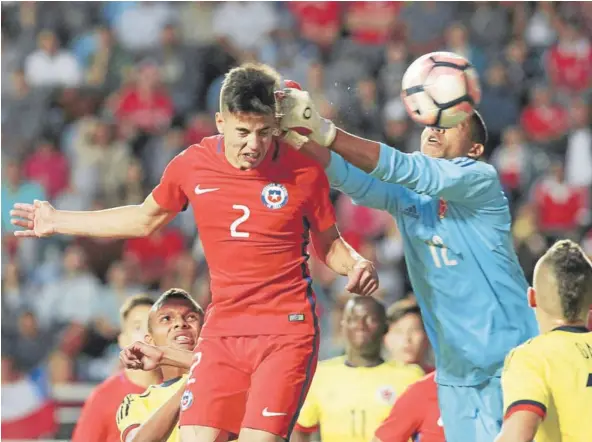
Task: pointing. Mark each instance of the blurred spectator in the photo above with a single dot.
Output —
(196, 22)
(578, 158)
(425, 23)
(569, 61)
(561, 209)
(241, 27)
(101, 253)
(101, 162)
(371, 23)
(399, 132)
(28, 411)
(67, 305)
(490, 25)
(133, 190)
(318, 22)
(199, 126)
(184, 275)
(457, 41)
(529, 243)
(179, 69)
(499, 105)
(15, 189)
(361, 114)
(146, 106)
(50, 66)
(542, 120)
(391, 74)
(155, 254)
(513, 161)
(109, 65)
(23, 115)
(540, 30)
(517, 68)
(406, 340)
(160, 151)
(32, 343)
(48, 167)
(140, 24)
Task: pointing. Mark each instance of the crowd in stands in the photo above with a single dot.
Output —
(97, 97)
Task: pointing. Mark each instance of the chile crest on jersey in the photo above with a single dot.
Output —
(274, 196)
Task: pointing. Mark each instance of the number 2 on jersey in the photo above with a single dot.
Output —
(445, 259)
(234, 226)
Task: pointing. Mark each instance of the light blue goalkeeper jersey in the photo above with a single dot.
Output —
(455, 222)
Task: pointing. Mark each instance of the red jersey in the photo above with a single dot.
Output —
(254, 227)
(414, 414)
(97, 421)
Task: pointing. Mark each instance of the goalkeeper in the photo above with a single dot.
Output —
(455, 222)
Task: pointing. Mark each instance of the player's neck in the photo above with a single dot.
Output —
(144, 378)
(353, 359)
(547, 324)
(169, 373)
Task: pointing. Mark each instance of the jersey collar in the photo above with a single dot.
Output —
(572, 329)
(170, 382)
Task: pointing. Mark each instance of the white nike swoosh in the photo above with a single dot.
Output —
(267, 413)
(199, 191)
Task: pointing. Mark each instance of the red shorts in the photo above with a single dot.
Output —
(257, 382)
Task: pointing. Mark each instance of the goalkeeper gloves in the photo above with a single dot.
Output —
(298, 113)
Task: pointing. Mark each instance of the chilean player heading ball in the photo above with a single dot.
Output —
(256, 204)
(455, 222)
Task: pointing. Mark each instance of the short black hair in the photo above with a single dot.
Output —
(178, 294)
(133, 302)
(378, 306)
(573, 273)
(478, 129)
(400, 309)
(250, 88)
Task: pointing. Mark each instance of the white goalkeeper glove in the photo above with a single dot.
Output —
(299, 113)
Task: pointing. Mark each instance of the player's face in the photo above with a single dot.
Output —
(363, 327)
(135, 326)
(406, 340)
(447, 143)
(247, 137)
(176, 324)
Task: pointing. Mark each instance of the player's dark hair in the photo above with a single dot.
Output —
(378, 307)
(250, 88)
(133, 302)
(177, 294)
(400, 309)
(573, 274)
(478, 129)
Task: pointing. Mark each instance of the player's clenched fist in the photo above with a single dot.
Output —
(35, 218)
(298, 112)
(362, 279)
(141, 356)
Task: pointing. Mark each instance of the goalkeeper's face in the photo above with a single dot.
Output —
(176, 324)
(247, 137)
(448, 143)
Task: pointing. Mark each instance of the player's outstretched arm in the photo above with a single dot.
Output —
(143, 356)
(40, 219)
(362, 188)
(343, 259)
(463, 180)
(161, 423)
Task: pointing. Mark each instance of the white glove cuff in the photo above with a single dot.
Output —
(325, 135)
(294, 139)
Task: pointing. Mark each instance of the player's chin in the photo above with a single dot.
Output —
(185, 345)
(433, 150)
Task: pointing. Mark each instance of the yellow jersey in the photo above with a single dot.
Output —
(349, 403)
(551, 375)
(137, 408)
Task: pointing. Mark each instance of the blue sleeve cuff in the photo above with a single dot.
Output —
(337, 170)
(385, 168)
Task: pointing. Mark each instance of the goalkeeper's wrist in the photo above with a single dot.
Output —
(325, 135)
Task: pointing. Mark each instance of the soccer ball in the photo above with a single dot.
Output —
(440, 89)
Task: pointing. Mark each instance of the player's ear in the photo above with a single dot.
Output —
(220, 123)
(476, 151)
(531, 294)
(148, 339)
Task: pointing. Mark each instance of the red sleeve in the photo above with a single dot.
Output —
(404, 419)
(92, 425)
(307, 430)
(169, 194)
(127, 431)
(321, 214)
